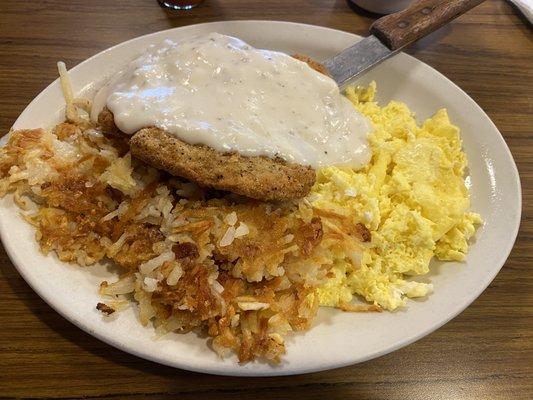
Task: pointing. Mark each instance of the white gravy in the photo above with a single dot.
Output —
(218, 91)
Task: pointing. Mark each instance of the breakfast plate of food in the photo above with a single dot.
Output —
(208, 198)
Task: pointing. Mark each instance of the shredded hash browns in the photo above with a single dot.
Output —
(243, 271)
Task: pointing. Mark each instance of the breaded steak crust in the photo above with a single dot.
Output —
(106, 121)
(312, 63)
(257, 177)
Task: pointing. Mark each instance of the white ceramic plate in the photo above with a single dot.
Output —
(336, 339)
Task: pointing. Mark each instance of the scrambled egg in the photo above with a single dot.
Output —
(411, 196)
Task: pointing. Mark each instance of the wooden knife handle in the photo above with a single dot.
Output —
(421, 18)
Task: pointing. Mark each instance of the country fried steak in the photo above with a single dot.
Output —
(257, 177)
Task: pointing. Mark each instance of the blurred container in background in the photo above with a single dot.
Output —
(383, 6)
(179, 4)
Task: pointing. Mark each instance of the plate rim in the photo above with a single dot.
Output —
(326, 365)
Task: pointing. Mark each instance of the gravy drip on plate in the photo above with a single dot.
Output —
(219, 91)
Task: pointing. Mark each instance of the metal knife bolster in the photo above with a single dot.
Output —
(356, 59)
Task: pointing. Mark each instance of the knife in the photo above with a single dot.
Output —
(392, 33)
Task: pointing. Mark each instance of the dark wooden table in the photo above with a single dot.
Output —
(485, 353)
